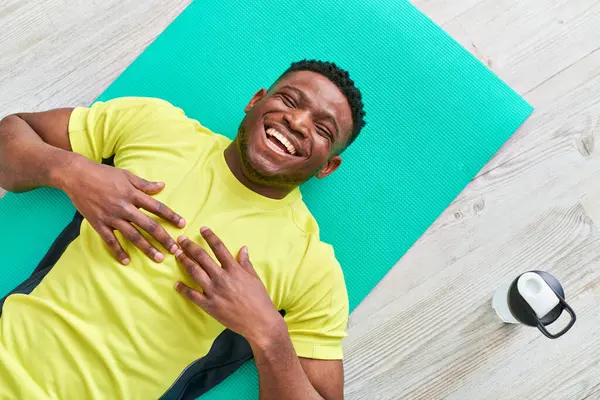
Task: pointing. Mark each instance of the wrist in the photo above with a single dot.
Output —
(270, 335)
(63, 169)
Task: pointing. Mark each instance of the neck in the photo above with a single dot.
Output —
(234, 162)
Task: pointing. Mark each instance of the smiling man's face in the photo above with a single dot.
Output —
(295, 130)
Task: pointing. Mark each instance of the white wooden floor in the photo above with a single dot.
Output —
(427, 331)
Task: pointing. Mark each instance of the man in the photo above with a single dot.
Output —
(258, 283)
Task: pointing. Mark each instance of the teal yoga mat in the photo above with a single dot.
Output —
(435, 116)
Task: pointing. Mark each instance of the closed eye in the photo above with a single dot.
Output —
(324, 132)
(288, 100)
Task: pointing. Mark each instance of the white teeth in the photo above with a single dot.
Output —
(282, 139)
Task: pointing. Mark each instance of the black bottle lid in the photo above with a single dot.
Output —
(521, 309)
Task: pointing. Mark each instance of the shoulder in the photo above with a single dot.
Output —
(316, 252)
(318, 269)
(320, 263)
(123, 112)
(148, 113)
(303, 219)
(125, 103)
(138, 108)
(317, 298)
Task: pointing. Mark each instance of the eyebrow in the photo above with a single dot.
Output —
(326, 115)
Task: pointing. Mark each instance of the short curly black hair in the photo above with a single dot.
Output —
(342, 80)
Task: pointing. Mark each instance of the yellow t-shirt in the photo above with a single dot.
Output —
(95, 329)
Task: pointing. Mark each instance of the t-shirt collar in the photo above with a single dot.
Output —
(246, 194)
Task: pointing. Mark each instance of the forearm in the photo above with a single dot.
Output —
(26, 161)
(281, 375)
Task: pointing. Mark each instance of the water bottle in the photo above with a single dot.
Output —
(534, 298)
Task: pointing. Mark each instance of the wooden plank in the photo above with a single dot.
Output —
(442, 11)
(78, 50)
(434, 334)
(528, 42)
(439, 338)
(567, 110)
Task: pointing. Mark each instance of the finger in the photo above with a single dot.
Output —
(217, 246)
(135, 237)
(159, 209)
(193, 295)
(199, 255)
(113, 244)
(244, 260)
(153, 228)
(145, 186)
(194, 270)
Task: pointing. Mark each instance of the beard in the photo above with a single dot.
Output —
(254, 174)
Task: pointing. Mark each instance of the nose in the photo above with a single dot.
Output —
(299, 121)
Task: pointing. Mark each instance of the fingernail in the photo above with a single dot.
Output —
(176, 285)
(178, 252)
(125, 261)
(203, 229)
(158, 257)
(181, 239)
(245, 250)
(173, 248)
(181, 223)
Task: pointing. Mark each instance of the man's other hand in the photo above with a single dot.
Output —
(232, 292)
(111, 198)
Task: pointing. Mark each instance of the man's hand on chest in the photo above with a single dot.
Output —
(232, 292)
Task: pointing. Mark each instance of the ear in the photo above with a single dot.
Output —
(255, 99)
(333, 164)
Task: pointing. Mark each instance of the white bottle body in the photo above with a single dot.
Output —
(500, 304)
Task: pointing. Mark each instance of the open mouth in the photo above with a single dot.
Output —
(278, 142)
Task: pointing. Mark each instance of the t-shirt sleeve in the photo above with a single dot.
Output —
(100, 131)
(318, 317)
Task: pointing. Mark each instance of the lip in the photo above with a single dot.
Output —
(300, 152)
